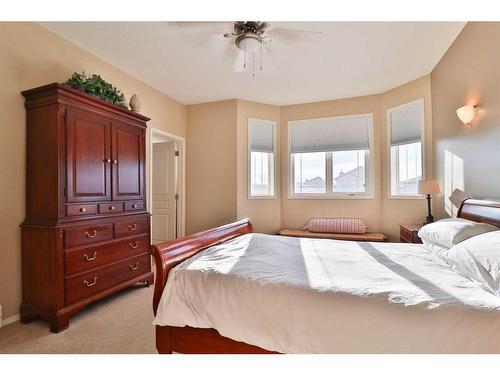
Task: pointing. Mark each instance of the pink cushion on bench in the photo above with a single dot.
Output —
(336, 225)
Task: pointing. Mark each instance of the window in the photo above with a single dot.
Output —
(330, 157)
(405, 125)
(261, 134)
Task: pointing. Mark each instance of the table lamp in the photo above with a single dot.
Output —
(428, 188)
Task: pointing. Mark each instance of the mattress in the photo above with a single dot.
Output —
(297, 295)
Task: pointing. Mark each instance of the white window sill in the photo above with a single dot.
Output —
(333, 197)
(256, 197)
(410, 197)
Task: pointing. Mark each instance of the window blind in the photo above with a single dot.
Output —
(331, 134)
(261, 135)
(406, 124)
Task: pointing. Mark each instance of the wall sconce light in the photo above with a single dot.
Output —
(467, 113)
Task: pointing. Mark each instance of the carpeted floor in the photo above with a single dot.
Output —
(118, 324)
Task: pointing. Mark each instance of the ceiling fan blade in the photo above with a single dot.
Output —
(203, 26)
(294, 31)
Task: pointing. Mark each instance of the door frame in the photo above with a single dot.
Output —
(181, 144)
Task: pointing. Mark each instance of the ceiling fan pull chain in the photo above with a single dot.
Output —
(253, 65)
(261, 56)
(245, 56)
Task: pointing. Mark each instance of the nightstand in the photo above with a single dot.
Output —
(408, 233)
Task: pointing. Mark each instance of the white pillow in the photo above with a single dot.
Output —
(449, 232)
(478, 258)
(434, 247)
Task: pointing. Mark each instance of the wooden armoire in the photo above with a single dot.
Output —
(86, 233)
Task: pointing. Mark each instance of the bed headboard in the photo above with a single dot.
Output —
(481, 211)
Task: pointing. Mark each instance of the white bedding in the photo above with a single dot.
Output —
(297, 295)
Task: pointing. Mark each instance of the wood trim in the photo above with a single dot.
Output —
(167, 255)
(481, 211)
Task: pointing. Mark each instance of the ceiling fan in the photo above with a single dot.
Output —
(251, 36)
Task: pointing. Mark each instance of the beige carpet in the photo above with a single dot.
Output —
(118, 324)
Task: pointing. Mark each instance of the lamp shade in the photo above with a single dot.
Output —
(457, 197)
(429, 187)
(467, 113)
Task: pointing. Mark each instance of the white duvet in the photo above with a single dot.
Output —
(297, 295)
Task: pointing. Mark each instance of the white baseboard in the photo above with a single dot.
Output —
(12, 319)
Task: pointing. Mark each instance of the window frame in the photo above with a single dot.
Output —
(272, 164)
(391, 171)
(330, 194)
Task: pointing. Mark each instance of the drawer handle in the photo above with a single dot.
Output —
(83, 209)
(134, 206)
(90, 283)
(112, 208)
(91, 235)
(88, 259)
(132, 227)
(134, 245)
(134, 267)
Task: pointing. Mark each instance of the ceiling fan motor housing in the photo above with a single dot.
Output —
(254, 27)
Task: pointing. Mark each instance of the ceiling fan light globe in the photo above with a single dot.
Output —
(249, 43)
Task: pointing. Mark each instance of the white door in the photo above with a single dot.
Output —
(163, 222)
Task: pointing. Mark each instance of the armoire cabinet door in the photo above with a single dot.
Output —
(127, 147)
(88, 154)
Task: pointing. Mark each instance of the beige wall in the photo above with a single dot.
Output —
(265, 214)
(469, 73)
(405, 211)
(295, 212)
(224, 125)
(380, 212)
(211, 164)
(31, 56)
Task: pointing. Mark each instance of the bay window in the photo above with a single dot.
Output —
(405, 124)
(261, 142)
(330, 157)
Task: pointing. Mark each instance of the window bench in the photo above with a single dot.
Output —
(369, 237)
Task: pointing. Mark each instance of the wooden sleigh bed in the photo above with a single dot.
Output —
(202, 340)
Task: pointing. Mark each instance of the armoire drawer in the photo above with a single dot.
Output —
(89, 283)
(81, 209)
(87, 235)
(82, 260)
(134, 205)
(131, 227)
(109, 208)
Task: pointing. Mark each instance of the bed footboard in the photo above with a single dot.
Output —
(169, 254)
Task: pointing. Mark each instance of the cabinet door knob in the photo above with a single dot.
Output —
(115, 161)
(112, 208)
(107, 160)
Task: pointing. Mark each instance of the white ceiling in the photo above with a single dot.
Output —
(193, 63)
